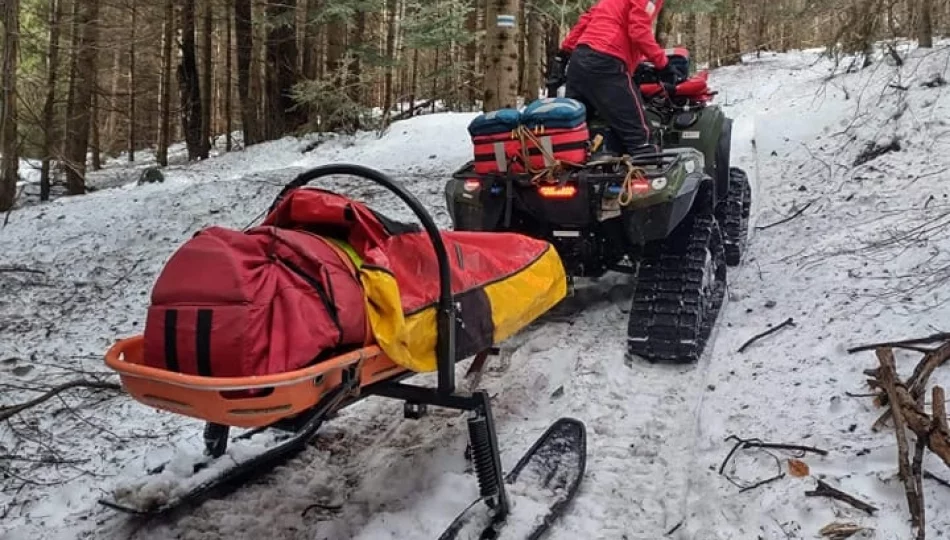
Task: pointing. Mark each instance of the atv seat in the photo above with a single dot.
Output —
(693, 88)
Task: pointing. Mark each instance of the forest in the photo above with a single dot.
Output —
(84, 80)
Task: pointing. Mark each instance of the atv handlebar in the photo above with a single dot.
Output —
(445, 344)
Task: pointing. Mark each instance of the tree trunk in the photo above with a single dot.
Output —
(471, 53)
(78, 126)
(533, 70)
(228, 142)
(925, 30)
(207, 76)
(522, 43)
(356, 78)
(165, 90)
(132, 87)
(243, 34)
(391, 7)
(10, 159)
(95, 134)
(282, 116)
(501, 70)
(51, 131)
(188, 86)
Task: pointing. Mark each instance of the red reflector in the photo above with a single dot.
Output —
(640, 186)
(472, 185)
(557, 192)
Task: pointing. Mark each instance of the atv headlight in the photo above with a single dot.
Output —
(659, 183)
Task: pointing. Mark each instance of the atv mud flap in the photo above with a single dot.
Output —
(540, 487)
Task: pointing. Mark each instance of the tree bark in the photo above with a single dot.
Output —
(10, 160)
(207, 78)
(533, 67)
(391, 8)
(51, 131)
(501, 70)
(228, 70)
(925, 30)
(84, 77)
(243, 34)
(165, 85)
(188, 86)
(471, 52)
(132, 86)
(281, 69)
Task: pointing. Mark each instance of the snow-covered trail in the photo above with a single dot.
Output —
(656, 433)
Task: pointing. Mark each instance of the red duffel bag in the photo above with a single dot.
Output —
(268, 300)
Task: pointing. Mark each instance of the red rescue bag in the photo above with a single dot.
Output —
(268, 300)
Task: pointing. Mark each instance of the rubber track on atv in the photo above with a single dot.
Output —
(671, 319)
(735, 216)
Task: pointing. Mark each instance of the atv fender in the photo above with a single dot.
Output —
(723, 160)
(658, 221)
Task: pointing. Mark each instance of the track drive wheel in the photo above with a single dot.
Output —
(679, 290)
(734, 216)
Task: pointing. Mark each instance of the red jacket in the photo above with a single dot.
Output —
(620, 28)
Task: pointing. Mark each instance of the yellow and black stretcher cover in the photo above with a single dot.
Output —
(501, 281)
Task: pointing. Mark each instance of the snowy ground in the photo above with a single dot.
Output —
(846, 270)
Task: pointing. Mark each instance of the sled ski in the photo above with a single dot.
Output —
(540, 487)
(247, 470)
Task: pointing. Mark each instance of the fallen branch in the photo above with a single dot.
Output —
(889, 380)
(799, 212)
(824, 490)
(917, 383)
(933, 338)
(20, 270)
(788, 322)
(8, 412)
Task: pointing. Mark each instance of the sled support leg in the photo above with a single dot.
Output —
(481, 431)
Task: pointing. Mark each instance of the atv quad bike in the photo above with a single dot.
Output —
(674, 219)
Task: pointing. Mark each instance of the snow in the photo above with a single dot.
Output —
(848, 269)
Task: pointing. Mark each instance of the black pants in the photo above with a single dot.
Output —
(602, 83)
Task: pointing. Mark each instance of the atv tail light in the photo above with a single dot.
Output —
(557, 192)
(472, 185)
(640, 186)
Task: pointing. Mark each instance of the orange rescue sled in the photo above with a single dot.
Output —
(299, 401)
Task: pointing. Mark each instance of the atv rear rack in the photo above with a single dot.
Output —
(657, 164)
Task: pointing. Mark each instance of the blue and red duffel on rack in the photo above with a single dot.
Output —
(560, 126)
(494, 135)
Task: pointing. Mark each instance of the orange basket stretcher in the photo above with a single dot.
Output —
(246, 402)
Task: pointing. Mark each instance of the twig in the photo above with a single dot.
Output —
(824, 490)
(933, 338)
(788, 322)
(799, 212)
(937, 479)
(8, 412)
(20, 270)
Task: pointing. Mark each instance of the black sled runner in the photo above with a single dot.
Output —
(543, 483)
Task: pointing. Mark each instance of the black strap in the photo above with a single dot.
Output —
(203, 342)
(171, 340)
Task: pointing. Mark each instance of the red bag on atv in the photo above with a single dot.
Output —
(234, 304)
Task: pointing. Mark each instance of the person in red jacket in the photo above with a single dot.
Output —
(604, 49)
